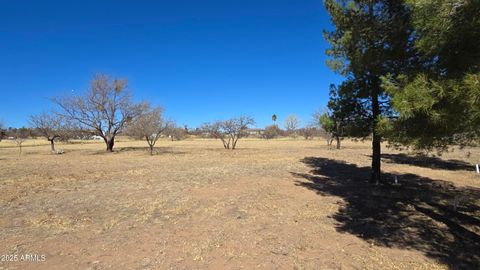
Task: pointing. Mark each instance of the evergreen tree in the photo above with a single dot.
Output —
(370, 40)
(342, 115)
(438, 105)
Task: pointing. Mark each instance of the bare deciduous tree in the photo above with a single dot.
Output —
(106, 108)
(236, 128)
(308, 132)
(20, 136)
(215, 130)
(149, 126)
(229, 131)
(291, 124)
(271, 132)
(51, 126)
(176, 133)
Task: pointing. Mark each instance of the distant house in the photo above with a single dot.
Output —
(254, 132)
(96, 137)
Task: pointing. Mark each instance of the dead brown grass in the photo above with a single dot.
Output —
(194, 205)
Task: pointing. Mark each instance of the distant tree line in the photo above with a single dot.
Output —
(107, 110)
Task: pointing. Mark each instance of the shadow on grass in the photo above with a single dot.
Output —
(428, 162)
(157, 150)
(418, 213)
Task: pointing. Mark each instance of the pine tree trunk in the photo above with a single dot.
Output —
(376, 142)
(376, 160)
(338, 142)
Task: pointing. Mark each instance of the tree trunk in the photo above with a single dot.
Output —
(110, 143)
(52, 144)
(234, 143)
(376, 160)
(376, 142)
(338, 142)
(376, 112)
(151, 149)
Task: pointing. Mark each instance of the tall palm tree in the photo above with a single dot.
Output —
(274, 118)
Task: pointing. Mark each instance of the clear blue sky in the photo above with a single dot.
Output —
(201, 60)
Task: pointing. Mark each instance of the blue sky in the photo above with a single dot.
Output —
(201, 60)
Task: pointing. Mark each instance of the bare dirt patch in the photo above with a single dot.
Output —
(269, 204)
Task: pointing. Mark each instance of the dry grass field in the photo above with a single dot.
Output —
(278, 204)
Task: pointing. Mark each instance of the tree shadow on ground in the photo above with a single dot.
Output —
(428, 162)
(418, 213)
(157, 151)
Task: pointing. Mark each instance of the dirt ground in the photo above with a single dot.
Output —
(278, 204)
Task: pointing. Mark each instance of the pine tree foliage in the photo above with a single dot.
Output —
(438, 104)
